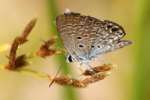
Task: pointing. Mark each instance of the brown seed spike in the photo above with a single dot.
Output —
(21, 61)
(16, 62)
(63, 80)
(45, 49)
(78, 84)
(66, 81)
(28, 28)
(94, 78)
(102, 68)
(100, 73)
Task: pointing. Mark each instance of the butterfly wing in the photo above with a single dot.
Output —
(109, 39)
(109, 48)
(77, 33)
(85, 37)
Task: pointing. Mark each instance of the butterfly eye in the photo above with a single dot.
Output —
(70, 58)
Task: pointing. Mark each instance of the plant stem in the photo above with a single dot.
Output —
(68, 93)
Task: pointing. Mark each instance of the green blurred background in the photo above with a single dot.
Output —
(129, 80)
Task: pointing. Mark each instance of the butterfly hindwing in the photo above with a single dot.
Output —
(109, 35)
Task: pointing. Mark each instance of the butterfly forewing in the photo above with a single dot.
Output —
(77, 33)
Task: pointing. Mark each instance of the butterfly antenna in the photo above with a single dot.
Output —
(53, 80)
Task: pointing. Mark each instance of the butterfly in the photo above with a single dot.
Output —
(86, 37)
